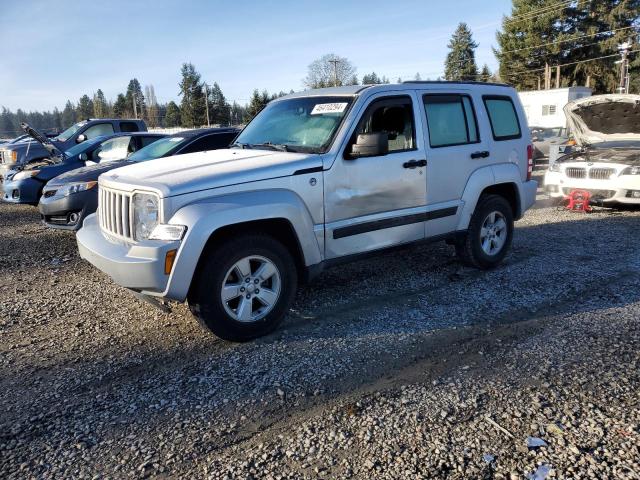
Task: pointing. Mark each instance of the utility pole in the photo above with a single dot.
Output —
(624, 67)
(335, 63)
(206, 101)
(135, 107)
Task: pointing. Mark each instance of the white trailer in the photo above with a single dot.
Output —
(544, 107)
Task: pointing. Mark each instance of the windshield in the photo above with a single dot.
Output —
(68, 133)
(157, 149)
(305, 124)
(83, 147)
(548, 132)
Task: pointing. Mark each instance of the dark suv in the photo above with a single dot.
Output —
(69, 198)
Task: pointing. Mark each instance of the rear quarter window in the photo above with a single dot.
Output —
(503, 117)
(129, 127)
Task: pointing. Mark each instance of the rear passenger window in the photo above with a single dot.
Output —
(129, 127)
(503, 118)
(451, 120)
(99, 130)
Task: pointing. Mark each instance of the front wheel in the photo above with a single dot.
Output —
(490, 233)
(244, 287)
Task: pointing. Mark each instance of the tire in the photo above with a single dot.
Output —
(227, 264)
(471, 250)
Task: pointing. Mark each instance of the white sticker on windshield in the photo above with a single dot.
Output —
(321, 108)
(176, 139)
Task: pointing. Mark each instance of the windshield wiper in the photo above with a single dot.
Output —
(280, 147)
(239, 145)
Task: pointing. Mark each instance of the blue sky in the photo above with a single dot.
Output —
(51, 51)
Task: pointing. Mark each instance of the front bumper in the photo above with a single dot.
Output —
(68, 213)
(21, 191)
(620, 189)
(139, 266)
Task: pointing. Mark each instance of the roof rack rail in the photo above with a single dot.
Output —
(457, 82)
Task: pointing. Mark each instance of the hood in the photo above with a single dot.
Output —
(89, 173)
(181, 174)
(41, 138)
(605, 118)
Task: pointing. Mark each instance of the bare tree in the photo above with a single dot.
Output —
(328, 71)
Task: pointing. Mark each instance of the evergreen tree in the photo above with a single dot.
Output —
(57, 120)
(100, 107)
(237, 114)
(399, 80)
(68, 115)
(85, 108)
(172, 116)
(7, 126)
(485, 74)
(417, 77)
(461, 59)
(134, 91)
(219, 108)
(371, 79)
(120, 106)
(256, 104)
(192, 107)
(532, 37)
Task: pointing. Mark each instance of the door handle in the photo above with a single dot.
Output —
(415, 163)
(484, 154)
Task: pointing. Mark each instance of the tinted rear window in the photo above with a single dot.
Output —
(129, 127)
(503, 118)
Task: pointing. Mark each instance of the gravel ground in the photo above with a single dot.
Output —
(401, 366)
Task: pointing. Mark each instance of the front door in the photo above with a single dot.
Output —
(378, 201)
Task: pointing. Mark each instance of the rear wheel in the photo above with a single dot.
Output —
(490, 233)
(244, 287)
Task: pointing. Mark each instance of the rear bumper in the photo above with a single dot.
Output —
(21, 191)
(68, 213)
(528, 195)
(139, 267)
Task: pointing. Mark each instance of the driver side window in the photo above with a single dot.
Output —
(393, 116)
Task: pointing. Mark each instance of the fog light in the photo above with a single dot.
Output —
(168, 261)
(73, 218)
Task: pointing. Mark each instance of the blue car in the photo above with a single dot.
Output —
(25, 185)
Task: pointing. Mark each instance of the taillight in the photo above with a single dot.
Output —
(529, 162)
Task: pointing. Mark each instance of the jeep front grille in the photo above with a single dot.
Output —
(601, 173)
(575, 172)
(115, 213)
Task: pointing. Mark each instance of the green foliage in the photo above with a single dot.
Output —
(120, 106)
(574, 34)
(100, 106)
(172, 115)
(134, 91)
(85, 107)
(219, 109)
(68, 115)
(192, 107)
(461, 59)
(256, 104)
(373, 79)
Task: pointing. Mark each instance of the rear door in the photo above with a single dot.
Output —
(456, 147)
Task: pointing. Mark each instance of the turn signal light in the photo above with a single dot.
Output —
(169, 258)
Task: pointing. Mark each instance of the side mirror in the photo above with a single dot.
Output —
(370, 145)
(83, 157)
(81, 138)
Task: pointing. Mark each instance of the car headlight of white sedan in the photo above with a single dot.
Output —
(631, 171)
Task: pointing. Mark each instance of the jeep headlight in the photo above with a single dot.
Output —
(75, 188)
(145, 214)
(631, 171)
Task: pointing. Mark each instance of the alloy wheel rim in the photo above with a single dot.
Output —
(493, 234)
(251, 289)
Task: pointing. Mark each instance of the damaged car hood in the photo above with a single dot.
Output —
(605, 119)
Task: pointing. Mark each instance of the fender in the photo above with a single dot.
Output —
(489, 176)
(204, 217)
